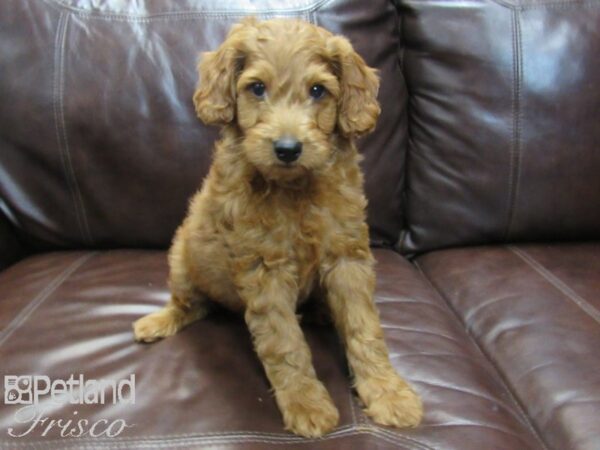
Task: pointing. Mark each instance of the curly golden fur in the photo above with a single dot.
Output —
(262, 235)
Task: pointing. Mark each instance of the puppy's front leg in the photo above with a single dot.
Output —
(389, 400)
(304, 402)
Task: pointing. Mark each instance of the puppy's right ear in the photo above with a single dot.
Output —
(215, 95)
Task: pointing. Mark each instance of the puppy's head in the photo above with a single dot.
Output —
(289, 88)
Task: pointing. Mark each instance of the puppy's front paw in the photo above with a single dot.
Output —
(155, 326)
(391, 402)
(309, 411)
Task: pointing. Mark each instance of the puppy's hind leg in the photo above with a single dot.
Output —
(186, 305)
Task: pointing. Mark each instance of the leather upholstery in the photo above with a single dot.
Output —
(534, 310)
(113, 150)
(66, 313)
(503, 121)
(99, 148)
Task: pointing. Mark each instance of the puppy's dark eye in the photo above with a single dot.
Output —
(317, 91)
(258, 88)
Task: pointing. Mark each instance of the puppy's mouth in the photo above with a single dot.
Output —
(285, 172)
(288, 166)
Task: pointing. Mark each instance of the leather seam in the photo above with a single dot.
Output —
(559, 4)
(500, 375)
(61, 128)
(515, 152)
(196, 16)
(351, 397)
(232, 438)
(315, 6)
(407, 231)
(501, 3)
(46, 292)
(312, 18)
(539, 5)
(557, 283)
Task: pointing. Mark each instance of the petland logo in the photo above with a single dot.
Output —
(33, 391)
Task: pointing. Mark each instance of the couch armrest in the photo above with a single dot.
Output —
(11, 249)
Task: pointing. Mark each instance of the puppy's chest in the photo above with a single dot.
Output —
(291, 236)
(287, 230)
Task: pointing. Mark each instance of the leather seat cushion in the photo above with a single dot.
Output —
(71, 313)
(535, 312)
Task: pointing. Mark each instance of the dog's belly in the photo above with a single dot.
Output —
(219, 287)
(211, 263)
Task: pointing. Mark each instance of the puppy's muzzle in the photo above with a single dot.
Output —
(287, 149)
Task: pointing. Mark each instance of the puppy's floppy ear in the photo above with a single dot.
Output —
(215, 95)
(358, 108)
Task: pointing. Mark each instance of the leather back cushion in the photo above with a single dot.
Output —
(99, 143)
(504, 121)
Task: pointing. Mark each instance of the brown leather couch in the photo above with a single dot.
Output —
(483, 178)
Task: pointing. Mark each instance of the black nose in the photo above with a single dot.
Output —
(287, 149)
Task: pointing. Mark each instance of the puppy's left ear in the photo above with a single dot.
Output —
(358, 108)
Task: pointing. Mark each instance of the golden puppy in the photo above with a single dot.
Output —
(281, 215)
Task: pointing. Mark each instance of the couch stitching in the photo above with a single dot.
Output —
(214, 434)
(400, 439)
(58, 51)
(352, 407)
(240, 438)
(361, 419)
(260, 14)
(61, 129)
(500, 377)
(50, 288)
(395, 438)
(557, 283)
(560, 4)
(211, 435)
(112, 16)
(538, 5)
(515, 152)
(156, 441)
